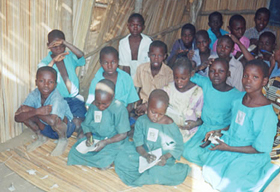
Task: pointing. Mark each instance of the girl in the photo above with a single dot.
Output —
(153, 131)
(186, 99)
(107, 121)
(242, 161)
(218, 96)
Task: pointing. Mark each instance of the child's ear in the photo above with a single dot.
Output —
(265, 81)
(144, 26)
(48, 44)
(165, 56)
(209, 24)
(228, 74)
(192, 73)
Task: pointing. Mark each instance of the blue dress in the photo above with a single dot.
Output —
(216, 114)
(169, 139)
(233, 171)
(114, 120)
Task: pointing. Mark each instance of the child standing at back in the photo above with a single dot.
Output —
(182, 46)
(237, 27)
(215, 22)
(152, 75)
(185, 99)
(134, 47)
(216, 111)
(65, 63)
(242, 162)
(46, 112)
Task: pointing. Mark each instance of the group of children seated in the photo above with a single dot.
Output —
(161, 107)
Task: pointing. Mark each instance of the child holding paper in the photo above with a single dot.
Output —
(107, 121)
(153, 131)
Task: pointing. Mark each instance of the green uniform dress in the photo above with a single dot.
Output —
(114, 120)
(152, 136)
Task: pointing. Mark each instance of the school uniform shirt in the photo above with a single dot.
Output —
(144, 79)
(213, 37)
(71, 62)
(179, 45)
(59, 105)
(236, 72)
(244, 40)
(124, 89)
(125, 53)
(276, 71)
(253, 33)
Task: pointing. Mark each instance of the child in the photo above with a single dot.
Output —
(215, 22)
(46, 112)
(242, 161)
(107, 121)
(203, 52)
(261, 19)
(224, 49)
(183, 45)
(186, 99)
(65, 63)
(153, 131)
(134, 47)
(237, 27)
(218, 96)
(152, 75)
(125, 91)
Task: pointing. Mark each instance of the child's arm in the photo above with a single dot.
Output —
(57, 58)
(142, 152)
(74, 49)
(190, 124)
(89, 141)
(23, 114)
(163, 159)
(248, 56)
(224, 147)
(101, 144)
(126, 69)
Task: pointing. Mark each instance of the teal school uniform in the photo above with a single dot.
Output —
(169, 139)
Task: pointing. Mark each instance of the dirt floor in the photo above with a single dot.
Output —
(9, 178)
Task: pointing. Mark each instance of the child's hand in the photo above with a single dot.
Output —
(56, 43)
(222, 146)
(141, 109)
(190, 54)
(89, 141)
(189, 125)
(100, 145)
(45, 110)
(23, 109)
(272, 61)
(150, 158)
(60, 57)
(234, 39)
(208, 135)
(162, 161)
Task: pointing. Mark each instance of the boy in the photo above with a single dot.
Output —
(261, 19)
(152, 75)
(225, 47)
(107, 121)
(135, 46)
(237, 27)
(65, 63)
(182, 46)
(46, 112)
(215, 22)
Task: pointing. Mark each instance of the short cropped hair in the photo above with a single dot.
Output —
(202, 33)
(160, 96)
(225, 37)
(269, 35)
(137, 15)
(184, 63)
(222, 60)
(46, 68)
(108, 50)
(236, 17)
(55, 34)
(262, 10)
(105, 86)
(261, 64)
(158, 43)
(215, 13)
(188, 26)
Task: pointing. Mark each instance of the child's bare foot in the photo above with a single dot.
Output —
(105, 168)
(60, 147)
(40, 141)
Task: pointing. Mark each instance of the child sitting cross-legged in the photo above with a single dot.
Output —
(153, 131)
(106, 121)
(186, 99)
(241, 162)
(46, 112)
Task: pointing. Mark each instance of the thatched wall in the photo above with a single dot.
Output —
(26, 23)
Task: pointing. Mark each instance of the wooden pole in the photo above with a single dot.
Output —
(66, 19)
(138, 6)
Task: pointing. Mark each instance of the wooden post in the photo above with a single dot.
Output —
(66, 19)
(195, 9)
(138, 6)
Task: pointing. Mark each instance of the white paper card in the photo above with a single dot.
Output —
(240, 117)
(97, 116)
(152, 134)
(83, 148)
(143, 163)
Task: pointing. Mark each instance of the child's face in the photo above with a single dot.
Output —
(265, 43)
(156, 110)
(187, 37)
(261, 21)
(202, 44)
(218, 73)
(238, 28)
(224, 48)
(57, 49)
(157, 56)
(181, 78)
(215, 23)
(109, 63)
(253, 79)
(46, 83)
(135, 26)
(102, 101)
